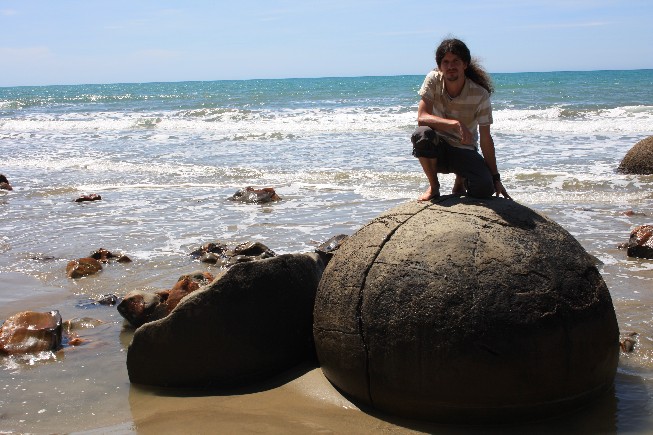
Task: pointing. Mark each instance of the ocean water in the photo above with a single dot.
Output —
(166, 158)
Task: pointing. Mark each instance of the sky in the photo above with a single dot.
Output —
(46, 42)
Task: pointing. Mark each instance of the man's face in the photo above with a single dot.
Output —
(452, 67)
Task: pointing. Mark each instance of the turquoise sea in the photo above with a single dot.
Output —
(166, 157)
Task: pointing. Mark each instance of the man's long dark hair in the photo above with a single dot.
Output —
(474, 71)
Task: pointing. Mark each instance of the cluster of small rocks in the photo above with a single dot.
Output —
(92, 264)
(221, 254)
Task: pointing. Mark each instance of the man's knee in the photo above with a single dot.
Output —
(424, 134)
(425, 142)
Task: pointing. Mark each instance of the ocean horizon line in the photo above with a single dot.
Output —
(279, 79)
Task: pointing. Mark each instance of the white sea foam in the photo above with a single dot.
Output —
(242, 123)
(627, 119)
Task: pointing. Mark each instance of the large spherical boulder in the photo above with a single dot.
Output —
(639, 159)
(463, 310)
(252, 322)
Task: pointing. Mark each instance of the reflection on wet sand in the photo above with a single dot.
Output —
(303, 401)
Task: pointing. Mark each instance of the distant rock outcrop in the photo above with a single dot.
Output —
(639, 159)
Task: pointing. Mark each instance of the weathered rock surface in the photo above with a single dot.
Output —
(640, 243)
(639, 159)
(465, 310)
(252, 322)
(30, 331)
(185, 285)
(139, 306)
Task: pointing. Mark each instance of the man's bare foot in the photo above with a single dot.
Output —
(459, 186)
(459, 192)
(429, 194)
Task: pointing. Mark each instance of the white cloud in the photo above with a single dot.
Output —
(8, 12)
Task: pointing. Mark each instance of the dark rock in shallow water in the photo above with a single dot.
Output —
(257, 196)
(4, 183)
(639, 159)
(83, 267)
(104, 256)
(216, 248)
(30, 332)
(104, 300)
(253, 249)
(251, 323)
(89, 197)
(640, 243)
(628, 341)
(220, 254)
(466, 310)
(108, 299)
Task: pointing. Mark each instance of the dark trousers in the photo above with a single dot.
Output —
(469, 164)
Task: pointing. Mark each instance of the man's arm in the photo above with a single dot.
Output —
(487, 147)
(426, 117)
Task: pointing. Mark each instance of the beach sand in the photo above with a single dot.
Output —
(86, 389)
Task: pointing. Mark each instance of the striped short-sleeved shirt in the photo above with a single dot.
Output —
(472, 107)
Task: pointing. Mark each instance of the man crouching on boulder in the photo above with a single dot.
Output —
(455, 107)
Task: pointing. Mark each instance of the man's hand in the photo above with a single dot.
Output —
(500, 190)
(465, 134)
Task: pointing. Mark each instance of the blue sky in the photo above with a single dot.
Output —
(46, 42)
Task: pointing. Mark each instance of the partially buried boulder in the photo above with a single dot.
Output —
(465, 310)
(639, 159)
(252, 322)
(30, 331)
